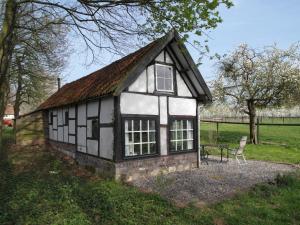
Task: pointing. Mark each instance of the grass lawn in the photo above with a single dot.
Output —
(36, 187)
(278, 143)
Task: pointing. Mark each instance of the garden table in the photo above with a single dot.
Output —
(204, 152)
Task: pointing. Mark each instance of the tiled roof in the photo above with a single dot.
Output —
(99, 83)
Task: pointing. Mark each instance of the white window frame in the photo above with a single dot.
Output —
(172, 77)
(181, 129)
(130, 151)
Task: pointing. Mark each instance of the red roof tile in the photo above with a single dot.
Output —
(99, 83)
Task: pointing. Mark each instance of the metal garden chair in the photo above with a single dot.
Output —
(238, 152)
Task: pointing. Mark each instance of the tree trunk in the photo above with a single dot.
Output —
(252, 121)
(6, 48)
(18, 99)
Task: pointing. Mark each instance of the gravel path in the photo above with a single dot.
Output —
(213, 182)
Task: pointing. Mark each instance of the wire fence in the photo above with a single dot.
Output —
(262, 120)
(230, 129)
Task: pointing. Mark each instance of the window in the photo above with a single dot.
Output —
(181, 135)
(164, 78)
(140, 137)
(66, 122)
(51, 118)
(93, 128)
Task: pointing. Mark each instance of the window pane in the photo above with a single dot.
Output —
(173, 135)
(184, 134)
(144, 125)
(173, 145)
(160, 71)
(179, 135)
(145, 149)
(151, 125)
(136, 137)
(145, 137)
(168, 84)
(184, 145)
(151, 136)
(160, 84)
(189, 124)
(173, 125)
(137, 149)
(136, 125)
(190, 144)
(95, 128)
(190, 134)
(152, 148)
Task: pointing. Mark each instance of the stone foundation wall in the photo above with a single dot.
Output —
(132, 169)
(129, 170)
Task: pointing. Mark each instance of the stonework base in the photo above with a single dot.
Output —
(129, 170)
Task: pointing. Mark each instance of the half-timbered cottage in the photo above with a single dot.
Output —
(134, 117)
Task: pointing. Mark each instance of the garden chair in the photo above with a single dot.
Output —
(238, 152)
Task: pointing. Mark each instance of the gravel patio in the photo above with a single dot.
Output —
(213, 182)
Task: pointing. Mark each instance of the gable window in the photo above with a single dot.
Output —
(93, 128)
(140, 137)
(164, 78)
(181, 135)
(66, 118)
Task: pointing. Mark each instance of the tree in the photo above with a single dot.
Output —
(250, 79)
(37, 60)
(108, 25)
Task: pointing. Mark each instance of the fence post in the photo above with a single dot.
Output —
(217, 132)
(257, 130)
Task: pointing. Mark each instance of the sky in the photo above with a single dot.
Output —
(257, 23)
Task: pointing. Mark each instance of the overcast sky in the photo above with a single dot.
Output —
(255, 22)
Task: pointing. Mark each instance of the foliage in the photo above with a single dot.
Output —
(30, 194)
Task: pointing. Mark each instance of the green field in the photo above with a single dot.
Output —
(278, 143)
(36, 187)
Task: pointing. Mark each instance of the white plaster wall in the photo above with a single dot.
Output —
(163, 141)
(93, 108)
(140, 84)
(150, 70)
(163, 110)
(72, 126)
(81, 139)
(81, 120)
(92, 147)
(160, 57)
(60, 133)
(60, 117)
(72, 113)
(182, 106)
(106, 142)
(182, 89)
(139, 104)
(72, 139)
(66, 134)
(107, 110)
(55, 135)
(168, 58)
